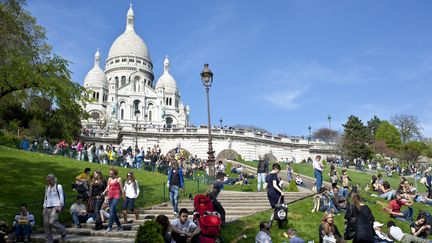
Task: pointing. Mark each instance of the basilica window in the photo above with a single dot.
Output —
(150, 116)
(123, 80)
(124, 60)
(131, 60)
(117, 81)
(117, 60)
(122, 114)
(138, 61)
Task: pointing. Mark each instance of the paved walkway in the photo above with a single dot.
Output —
(236, 204)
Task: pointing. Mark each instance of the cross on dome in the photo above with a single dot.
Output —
(166, 64)
(130, 18)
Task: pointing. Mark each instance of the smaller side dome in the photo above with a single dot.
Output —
(96, 76)
(166, 81)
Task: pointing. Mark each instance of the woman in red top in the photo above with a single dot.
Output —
(113, 192)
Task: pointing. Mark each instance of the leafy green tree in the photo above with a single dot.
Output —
(28, 68)
(410, 151)
(355, 139)
(373, 125)
(389, 134)
(408, 126)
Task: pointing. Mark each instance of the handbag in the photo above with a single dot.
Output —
(90, 205)
(329, 239)
(350, 230)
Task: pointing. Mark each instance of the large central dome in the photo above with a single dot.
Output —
(129, 43)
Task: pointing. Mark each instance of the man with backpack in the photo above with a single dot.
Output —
(53, 204)
(262, 170)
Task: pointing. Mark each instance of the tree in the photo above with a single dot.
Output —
(389, 134)
(325, 134)
(381, 147)
(408, 126)
(355, 139)
(373, 125)
(29, 68)
(412, 150)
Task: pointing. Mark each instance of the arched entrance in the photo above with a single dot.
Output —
(270, 157)
(228, 154)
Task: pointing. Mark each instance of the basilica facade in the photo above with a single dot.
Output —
(124, 91)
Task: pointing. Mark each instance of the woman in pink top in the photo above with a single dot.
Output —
(113, 191)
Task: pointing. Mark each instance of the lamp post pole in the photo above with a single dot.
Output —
(329, 120)
(207, 79)
(310, 135)
(220, 122)
(137, 114)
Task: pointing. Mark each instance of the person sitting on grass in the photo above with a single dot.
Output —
(394, 209)
(183, 229)
(419, 227)
(263, 235)
(299, 181)
(380, 237)
(23, 224)
(339, 201)
(327, 230)
(293, 238)
(325, 204)
(79, 212)
(385, 191)
(397, 234)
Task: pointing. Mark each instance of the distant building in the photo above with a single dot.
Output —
(127, 85)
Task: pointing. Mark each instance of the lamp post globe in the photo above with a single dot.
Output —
(207, 80)
(137, 115)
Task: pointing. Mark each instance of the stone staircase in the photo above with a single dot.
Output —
(236, 204)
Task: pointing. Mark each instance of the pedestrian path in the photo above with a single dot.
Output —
(237, 205)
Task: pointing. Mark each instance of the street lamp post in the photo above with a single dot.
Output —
(329, 120)
(310, 135)
(137, 114)
(220, 122)
(207, 79)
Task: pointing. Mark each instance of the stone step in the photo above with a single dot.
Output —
(101, 233)
(83, 239)
(226, 207)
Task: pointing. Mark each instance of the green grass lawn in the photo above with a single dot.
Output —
(305, 222)
(254, 164)
(361, 178)
(23, 181)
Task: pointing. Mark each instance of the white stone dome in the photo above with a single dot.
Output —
(96, 76)
(129, 43)
(167, 81)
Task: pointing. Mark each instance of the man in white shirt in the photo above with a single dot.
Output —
(23, 223)
(52, 206)
(79, 212)
(380, 237)
(318, 169)
(183, 229)
(398, 235)
(220, 167)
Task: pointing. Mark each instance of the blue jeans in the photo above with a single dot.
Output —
(23, 230)
(174, 195)
(113, 212)
(77, 219)
(345, 192)
(318, 177)
(388, 195)
(261, 180)
(407, 215)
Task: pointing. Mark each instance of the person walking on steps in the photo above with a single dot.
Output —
(52, 206)
(130, 193)
(262, 170)
(113, 190)
(318, 169)
(274, 189)
(175, 183)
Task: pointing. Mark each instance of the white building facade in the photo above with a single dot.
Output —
(124, 93)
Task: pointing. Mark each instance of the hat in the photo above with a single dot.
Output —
(377, 224)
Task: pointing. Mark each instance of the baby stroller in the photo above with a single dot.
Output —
(208, 220)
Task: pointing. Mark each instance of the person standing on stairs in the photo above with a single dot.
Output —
(114, 191)
(318, 169)
(262, 170)
(175, 184)
(52, 206)
(130, 193)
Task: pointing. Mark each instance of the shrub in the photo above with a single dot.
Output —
(292, 186)
(324, 162)
(149, 232)
(10, 141)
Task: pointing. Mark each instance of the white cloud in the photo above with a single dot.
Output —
(287, 99)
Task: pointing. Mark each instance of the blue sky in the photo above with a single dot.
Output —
(280, 65)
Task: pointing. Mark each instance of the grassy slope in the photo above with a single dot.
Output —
(23, 181)
(305, 222)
